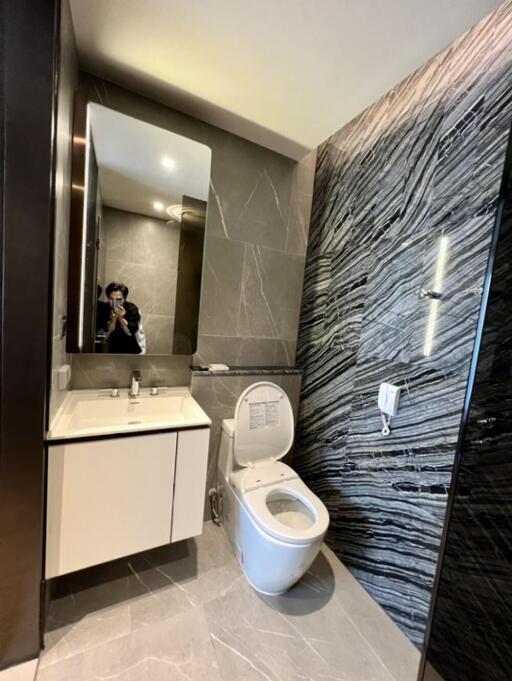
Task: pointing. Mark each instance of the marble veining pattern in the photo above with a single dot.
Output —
(185, 612)
(471, 628)
(421, 167)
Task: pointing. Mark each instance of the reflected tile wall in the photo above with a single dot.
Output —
(256, 236)
(142, 252)
(423, 163)
(108, 371)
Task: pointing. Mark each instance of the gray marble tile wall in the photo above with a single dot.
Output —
(68, 82)
(256, 237)
(415, 174)
(142, 252)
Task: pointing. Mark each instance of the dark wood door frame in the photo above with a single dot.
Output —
(28, 46)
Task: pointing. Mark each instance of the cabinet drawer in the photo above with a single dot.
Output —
(107, 499)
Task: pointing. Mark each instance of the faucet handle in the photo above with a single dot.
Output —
(157, 389)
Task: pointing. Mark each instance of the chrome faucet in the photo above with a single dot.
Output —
(136, 379)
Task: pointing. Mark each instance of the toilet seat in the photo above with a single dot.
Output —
(263, 474)
(256, 503)
(274, 496)
(257, 485)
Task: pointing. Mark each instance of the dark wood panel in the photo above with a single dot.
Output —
(28, 37)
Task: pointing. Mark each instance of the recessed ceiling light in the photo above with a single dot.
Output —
(168, 163)
(158, 205)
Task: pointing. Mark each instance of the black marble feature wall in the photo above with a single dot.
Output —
(471, 630)
(405, 198)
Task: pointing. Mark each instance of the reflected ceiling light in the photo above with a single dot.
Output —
(175, 212)
(158, 205)
(195, 216)
(168, 163)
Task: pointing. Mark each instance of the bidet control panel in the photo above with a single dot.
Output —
(389, 397)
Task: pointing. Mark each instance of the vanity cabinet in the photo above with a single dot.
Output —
(114, 497)
(190, 483)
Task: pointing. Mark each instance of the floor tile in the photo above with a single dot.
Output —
(185, 611)
(390, 644)
(94, 629)
(20, 672)
(258, 637)
(204, 569)
(431, 674)
(175, 649)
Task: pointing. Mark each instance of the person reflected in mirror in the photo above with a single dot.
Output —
(123, 322)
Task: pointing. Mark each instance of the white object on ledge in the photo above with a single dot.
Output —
(63, 376)
(218, 367)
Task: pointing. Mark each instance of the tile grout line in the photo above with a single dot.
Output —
(370, 646)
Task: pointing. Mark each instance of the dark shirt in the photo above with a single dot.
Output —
(102, 315)
(119, 341)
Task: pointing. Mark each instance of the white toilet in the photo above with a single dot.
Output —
(274, 523)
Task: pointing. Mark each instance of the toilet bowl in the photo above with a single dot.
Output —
(274, 522)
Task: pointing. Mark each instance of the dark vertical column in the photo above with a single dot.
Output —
(28, 35)
(76, 223)
(188, 284)
(470, 636)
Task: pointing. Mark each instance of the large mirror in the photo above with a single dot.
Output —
(138, 216)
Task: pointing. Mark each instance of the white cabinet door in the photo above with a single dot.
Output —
(190, 483)
(107, 499)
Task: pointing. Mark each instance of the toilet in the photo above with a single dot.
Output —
(274, 522)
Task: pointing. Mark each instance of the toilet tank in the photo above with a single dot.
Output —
(226, 447)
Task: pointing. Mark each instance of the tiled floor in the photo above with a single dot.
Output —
(185, 612)
(20, 672)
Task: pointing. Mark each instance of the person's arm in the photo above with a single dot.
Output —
(130, 319)
(111, 323)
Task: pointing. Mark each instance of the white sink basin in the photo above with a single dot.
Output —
(94, 412)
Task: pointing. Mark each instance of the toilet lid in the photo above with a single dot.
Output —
(263, 424)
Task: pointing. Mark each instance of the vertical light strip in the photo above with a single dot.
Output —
(437, 288)
(81, 301)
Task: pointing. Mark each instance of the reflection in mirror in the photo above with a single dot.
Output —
(138, 215)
